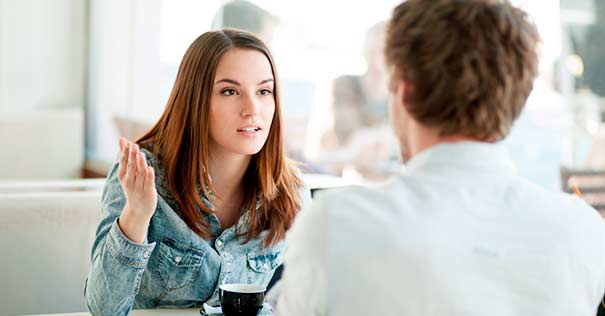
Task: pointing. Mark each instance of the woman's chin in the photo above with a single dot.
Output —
(249, 150)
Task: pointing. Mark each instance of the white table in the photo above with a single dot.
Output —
(147, 312)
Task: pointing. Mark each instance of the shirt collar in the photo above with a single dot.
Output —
(487, 157)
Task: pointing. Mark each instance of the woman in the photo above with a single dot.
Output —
(206, 196)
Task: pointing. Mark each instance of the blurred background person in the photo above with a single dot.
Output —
(245, 15)
(360, 144)
(360, 101)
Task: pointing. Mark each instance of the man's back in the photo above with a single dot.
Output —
(460, 234)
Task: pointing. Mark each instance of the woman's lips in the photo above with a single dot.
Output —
(249, 130)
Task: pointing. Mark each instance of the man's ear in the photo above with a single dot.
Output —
(397, 87)
(400, 90)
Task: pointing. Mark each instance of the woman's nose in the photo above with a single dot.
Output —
(250, 105)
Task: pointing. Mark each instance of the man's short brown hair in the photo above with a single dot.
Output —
(468, 65)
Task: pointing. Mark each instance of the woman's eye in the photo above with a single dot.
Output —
(228, 92)
(264, 92)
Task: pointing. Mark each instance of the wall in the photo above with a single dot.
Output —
(124, 76)
(42, 84)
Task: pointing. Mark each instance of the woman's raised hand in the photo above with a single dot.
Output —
(138, 183)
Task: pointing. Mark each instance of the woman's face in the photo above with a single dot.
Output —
(242, 103)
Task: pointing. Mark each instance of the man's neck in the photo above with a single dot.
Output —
(423, 138)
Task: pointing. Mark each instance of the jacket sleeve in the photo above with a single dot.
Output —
(117, 262)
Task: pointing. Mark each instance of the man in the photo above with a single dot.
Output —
(459, 233)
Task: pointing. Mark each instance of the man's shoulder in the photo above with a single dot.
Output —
(581, 214)
(559, 202)
(565, 210)
(352, 192)
(359, 200)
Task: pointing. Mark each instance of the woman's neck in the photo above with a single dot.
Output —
(227, 172)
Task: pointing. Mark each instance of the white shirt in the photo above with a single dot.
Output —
(459, 233)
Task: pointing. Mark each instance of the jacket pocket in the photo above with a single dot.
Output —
(178, 264)
(262, 264)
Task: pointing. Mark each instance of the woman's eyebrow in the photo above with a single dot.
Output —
(228, 81)
(265, 81)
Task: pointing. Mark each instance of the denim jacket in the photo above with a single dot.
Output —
(174, 267)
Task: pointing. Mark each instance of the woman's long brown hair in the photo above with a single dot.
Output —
(181, 137)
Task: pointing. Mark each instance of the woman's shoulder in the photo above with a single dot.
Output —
(151, 157)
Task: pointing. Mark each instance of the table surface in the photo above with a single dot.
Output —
(151, 312)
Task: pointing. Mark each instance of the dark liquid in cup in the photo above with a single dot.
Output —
(229, 309)
(241, 299)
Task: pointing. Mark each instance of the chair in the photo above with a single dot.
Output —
(22, 186)
(45, 240)
(46, 233)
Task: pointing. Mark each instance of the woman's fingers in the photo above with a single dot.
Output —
(131, 166)
(141, 171)
(122, 143)
(149, 179)
(125, 152)
(137, 179)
